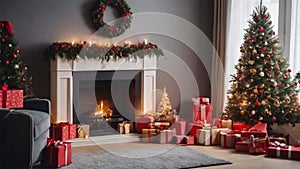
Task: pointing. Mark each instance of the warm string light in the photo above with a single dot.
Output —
(95, 43)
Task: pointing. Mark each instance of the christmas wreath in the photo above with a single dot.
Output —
(120, 25)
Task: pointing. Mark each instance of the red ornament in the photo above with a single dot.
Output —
(5, 36)
(261, 29)
(261, 91)
(270, 69)
(14, 56)
(7, 62)
(289, 70)
(273, 118)
(23, 79)
(63, 46)
(273, 33)
(263, 48)
(102, 9)
(265, 16)
(25, 68)
(30, 82)
(284, 76)
(279, 61)
(268, 57)
(277, 68)
(254, 40)
(249, 37)
(295, 83)
(258, 16)
(257, 103)
(277, 85)
(270, 22)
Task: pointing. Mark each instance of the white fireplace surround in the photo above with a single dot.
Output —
(61, 85)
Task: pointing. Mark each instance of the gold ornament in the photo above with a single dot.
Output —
(242, 112)
(264, 102)
(251, 62)
(255, 90)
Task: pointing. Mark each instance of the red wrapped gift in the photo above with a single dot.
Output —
(201, 109)
(242, 146)
(179, 139)
(11, 98)
(142, 122)
(180, 127)
(257, 145)
(166, 136)
(58, 154)
(258, 130)
(71, 128)
(241, 126)
(193, 129)
(59, 132)
(189, 140)
(286, 152)
(228, 140)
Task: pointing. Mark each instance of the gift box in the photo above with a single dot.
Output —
(83, 130)
(228, 140)
(227, 124)
(189, 140)
(286, 152)
(179, 139)
(72, 129)
(242, 146)
(124, 128)
(150, 135)
(142, 122)
(257, 145)
(58, 154)
(59, 132)
(209, 137)
(180, 127)
(193, 127)
(241, 126)
(159, 125)
(11, 98)
(166, 136)
(201, 110)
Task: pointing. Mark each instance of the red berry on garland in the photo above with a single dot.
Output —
(257, 103)
(273, 118)
(295, 83)
(23, 79)
(270, 22)
(63, 46)
(265, 16)
(277, 68)
(289, 70)
(7, 62)
(279, 61)
(5, 36)
(273, 33)
(261, 91)
(254, 40)
(25, 68)
(284, 76)
(258, 17)
(277, 85)
(30, 82)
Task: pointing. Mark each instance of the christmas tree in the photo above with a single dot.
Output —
(165, 111)
(262, 89)
(13, 71)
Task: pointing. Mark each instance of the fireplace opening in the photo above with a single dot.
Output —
(102, 99)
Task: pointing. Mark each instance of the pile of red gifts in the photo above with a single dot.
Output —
(63, 131)
(284, 151)
(58, 154)
(159, 125)
(142, 122)
(11, 98)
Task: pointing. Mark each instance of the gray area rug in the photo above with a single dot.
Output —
(166, 157)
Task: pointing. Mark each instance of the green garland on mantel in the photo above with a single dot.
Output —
(70, 51)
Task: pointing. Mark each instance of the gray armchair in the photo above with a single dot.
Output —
(23, 134)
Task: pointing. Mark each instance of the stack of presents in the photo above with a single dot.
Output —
(202, 130)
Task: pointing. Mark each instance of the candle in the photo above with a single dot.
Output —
(145, 41)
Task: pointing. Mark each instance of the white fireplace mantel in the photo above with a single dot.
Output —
(61, 85)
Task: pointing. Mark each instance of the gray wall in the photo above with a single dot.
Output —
(38, 23)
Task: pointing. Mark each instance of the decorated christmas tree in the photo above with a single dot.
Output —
(262, 89)
(164, 110)
(13, 70)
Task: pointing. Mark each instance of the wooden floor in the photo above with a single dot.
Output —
(239, 160)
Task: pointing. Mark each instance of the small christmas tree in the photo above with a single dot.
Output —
(13, 71)
(262, 89)
(165, 111)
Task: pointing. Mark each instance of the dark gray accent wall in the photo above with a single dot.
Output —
(39, 23)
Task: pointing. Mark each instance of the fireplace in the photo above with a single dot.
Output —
(103, 99)
(68, 77)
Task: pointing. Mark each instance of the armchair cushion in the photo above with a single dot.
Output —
(41, 121)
